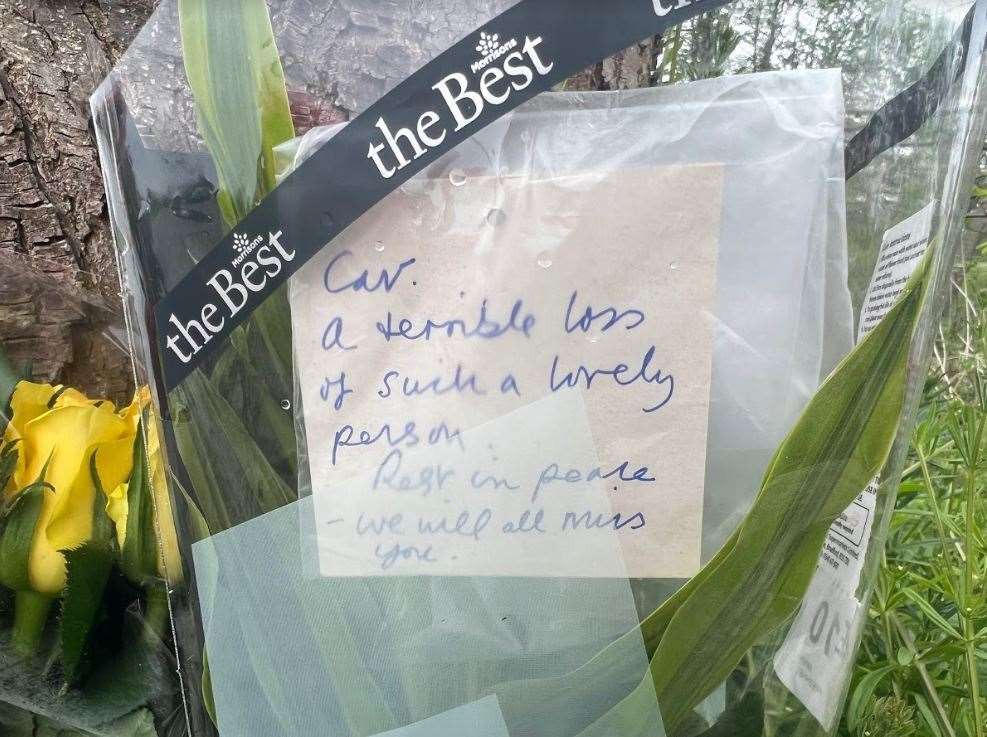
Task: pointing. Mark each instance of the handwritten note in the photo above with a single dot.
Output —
(510, 376)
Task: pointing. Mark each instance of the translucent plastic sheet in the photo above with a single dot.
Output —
(309, 630)
(514, 206)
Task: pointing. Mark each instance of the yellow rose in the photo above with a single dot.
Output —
(64, 430)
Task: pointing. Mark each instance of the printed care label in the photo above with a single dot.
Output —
(901, 249)
(815, 660)
(510, 376)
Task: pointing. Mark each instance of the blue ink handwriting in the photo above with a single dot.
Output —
(363, 283)
(621, 374)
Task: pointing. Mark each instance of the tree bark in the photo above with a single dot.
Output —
(58, 269)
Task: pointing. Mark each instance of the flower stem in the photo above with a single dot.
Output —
(969, 630)
(30, 617)
(157, 617)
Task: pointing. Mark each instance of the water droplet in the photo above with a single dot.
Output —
(496, 217)
(285, 404)
(673, 266)
(457, 177)
(379, 247)
(593, 338)
(545, 259)
(328, 220)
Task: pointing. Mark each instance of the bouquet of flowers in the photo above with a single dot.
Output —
(236, 468)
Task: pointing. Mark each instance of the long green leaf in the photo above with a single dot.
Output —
(841, 441)
(934, 616)
(232, 480)
(139, 556)
(244, 113)
(235, 73)
(757, 580)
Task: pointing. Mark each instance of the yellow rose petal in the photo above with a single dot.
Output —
(69, 436)
(116, 509)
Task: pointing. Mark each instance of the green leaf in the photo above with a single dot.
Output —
(930, 612)
(16, 535)
(757, 581)
(244, 113)
(232, 480)
(88, 570)
(905, 656)
(197, 522)
(139, 557)
(103, 530)
(208, 700)
(839, 444)
(238, 378)
(928, 716)
(863, 694)
(242, 107)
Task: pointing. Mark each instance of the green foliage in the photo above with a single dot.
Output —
(697, 638)
(16, 533)
(923, 659)
(88, 568)
(243, 114)
(888, 717)
(139, 556)
(841, 441)
(232, 478)
(242, 107)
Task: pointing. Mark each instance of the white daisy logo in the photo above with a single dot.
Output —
(489, 43)
(240, 242)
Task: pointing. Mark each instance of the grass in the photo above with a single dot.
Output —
(922, 665)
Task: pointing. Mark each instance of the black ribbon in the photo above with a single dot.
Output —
(342, 180)
(907, 111)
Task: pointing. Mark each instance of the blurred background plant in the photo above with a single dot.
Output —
(922, 666)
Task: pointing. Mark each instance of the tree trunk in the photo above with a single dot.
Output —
(58, 266)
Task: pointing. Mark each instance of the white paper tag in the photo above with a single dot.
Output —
(537, 352)
(901, 249)
(814, 661)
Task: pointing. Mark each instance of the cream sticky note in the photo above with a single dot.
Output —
(510, 376)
